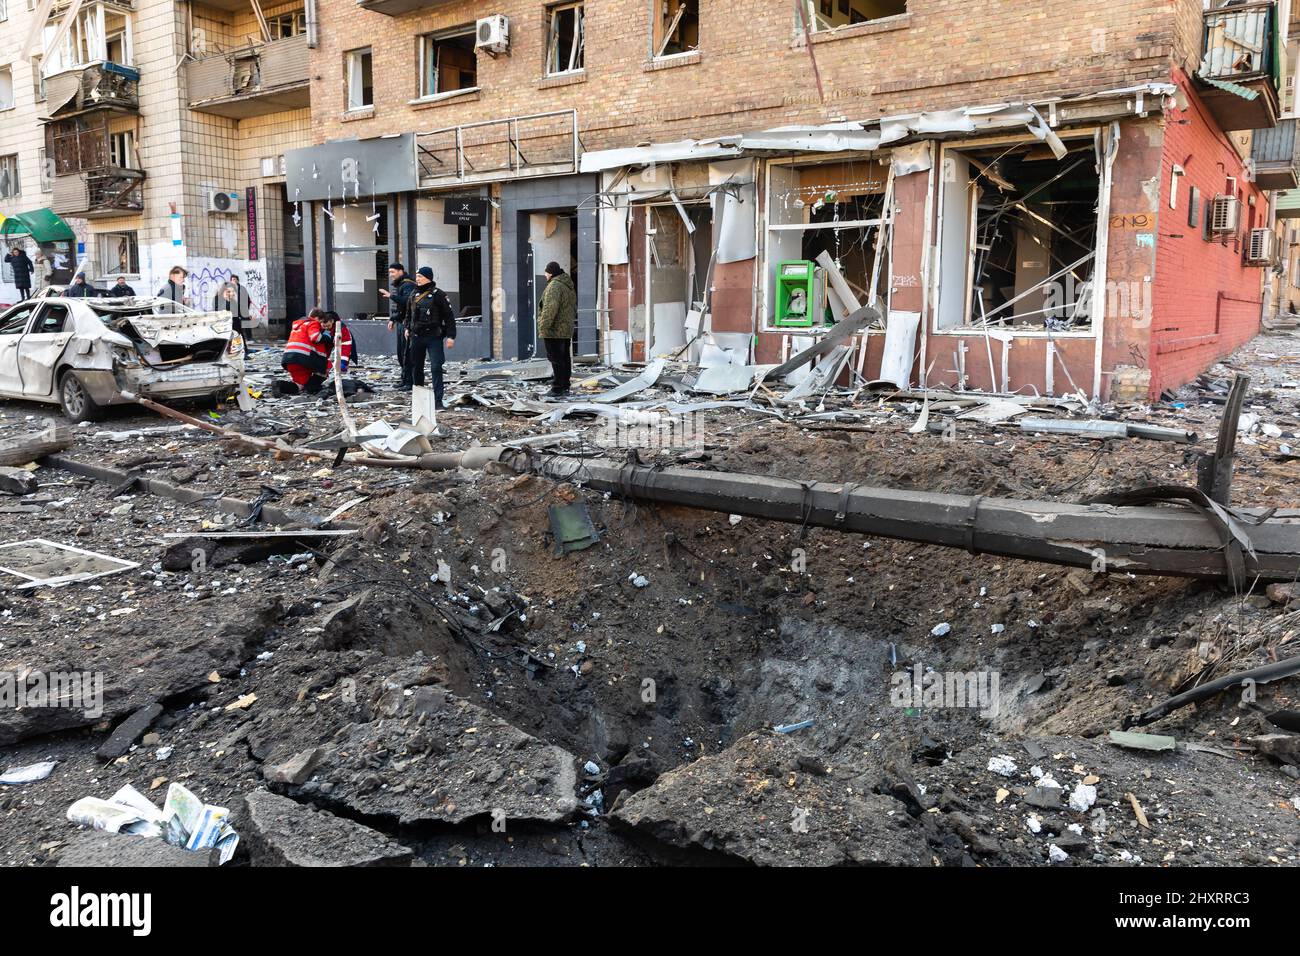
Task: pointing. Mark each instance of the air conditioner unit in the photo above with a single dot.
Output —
(1260, 250)
(1223, 214)
(493, 34)
(224, 202)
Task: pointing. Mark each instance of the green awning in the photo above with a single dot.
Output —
(1228, 86)
(41, 224)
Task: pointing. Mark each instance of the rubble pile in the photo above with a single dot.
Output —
(373, 662)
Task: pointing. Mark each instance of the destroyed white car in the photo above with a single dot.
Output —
(83, 353)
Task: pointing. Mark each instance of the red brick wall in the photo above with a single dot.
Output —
(1207, 300)
(1131, 244)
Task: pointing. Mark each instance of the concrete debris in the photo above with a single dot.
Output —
(295, 771)
(282, 832)
(379, 657)
(126, 733)
(399, 765)
(94, 848)
(1003, 766)
(784, 815)
(1137, 741)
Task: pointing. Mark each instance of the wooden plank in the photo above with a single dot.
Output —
(33, 446)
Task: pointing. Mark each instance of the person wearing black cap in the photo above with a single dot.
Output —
(432, 330)
(399, 298)
(555, 325)
(80, 289)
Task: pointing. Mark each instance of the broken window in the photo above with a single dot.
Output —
(285, 25)
(121, 149)
(454, 251)
(358, 235)
(676, 27)
(9, 185)
(15, 321)
(52, 320)
(448, 63)
(361, 88)
(565, 40)
(1018, 236)
(830, 14)
(669, 271)
(98, 32)
(825, 247)
(119, 253)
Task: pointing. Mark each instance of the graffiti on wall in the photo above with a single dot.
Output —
(208, 275)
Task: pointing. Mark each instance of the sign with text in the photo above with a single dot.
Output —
(250, 206)
(468, 211)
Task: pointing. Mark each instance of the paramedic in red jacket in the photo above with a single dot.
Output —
(306, 354)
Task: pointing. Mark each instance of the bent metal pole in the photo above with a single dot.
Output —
(1143, 539)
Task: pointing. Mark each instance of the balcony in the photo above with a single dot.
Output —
(96, 193)
(1240, 72)
(395, 8)
(1275, 155)
(541, 144)
(103, 85)
(255, 80)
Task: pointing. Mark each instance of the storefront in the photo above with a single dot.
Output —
(361, 208)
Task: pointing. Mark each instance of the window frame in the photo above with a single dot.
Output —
(16, 179)
(766, 228)
(13, 89)
(297, 20)
(132, 237)
(423, 43)
(578, 51)
(38, 76)
(812, 9)
(29, 306)
(349, 58)
(1095, 319)
(657, 41)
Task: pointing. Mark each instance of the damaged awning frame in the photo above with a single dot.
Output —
(872, 135)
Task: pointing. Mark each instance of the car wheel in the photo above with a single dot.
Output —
(77, 404)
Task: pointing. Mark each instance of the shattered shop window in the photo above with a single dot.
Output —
(1018, 237)
(565, 38)
(675, 27)
(822, 15)
(827, 241)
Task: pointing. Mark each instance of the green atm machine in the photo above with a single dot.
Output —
(797, 298)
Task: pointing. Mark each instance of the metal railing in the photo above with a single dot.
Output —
(1278, 146)
(540, 144)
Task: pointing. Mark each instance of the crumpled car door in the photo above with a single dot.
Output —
(40, 348)
(13, 325)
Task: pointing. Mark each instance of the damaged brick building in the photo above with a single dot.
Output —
(1052, 199)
